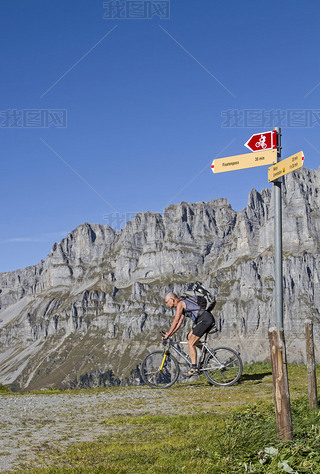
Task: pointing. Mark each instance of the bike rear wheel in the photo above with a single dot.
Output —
(224, 367)
(153, 376)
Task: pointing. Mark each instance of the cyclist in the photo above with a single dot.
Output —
(202, 319)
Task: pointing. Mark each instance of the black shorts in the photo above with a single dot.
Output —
(204, 322)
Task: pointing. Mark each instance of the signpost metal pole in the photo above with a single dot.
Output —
(278, 242)
(276, 335)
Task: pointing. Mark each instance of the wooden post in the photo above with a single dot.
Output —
(311, 366)
(280, 383)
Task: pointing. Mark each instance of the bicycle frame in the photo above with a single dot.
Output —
(204, 350)
(171, 344)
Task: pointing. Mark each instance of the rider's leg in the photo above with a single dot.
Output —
(198, 345)
(205, 322)
(192, 341)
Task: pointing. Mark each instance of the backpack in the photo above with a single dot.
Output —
(206, 296)
(200, 301)
(211, 304)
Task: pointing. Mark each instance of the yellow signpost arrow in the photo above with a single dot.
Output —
(248, 160)
(292, 163)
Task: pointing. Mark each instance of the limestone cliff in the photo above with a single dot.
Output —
(87, 314)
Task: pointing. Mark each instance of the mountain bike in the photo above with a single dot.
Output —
(222, 365)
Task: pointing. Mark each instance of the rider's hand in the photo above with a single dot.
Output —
(165, 336)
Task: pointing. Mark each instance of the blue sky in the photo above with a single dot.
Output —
(139, 107)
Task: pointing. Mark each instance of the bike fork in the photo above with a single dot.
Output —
(163, 361)
(165, 354)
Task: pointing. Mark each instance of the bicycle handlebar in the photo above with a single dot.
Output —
(164, 339)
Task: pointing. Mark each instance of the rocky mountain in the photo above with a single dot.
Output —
(88, 314)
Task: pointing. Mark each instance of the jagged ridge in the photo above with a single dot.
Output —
(88, 313)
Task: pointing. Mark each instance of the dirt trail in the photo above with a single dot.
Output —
(31, 422)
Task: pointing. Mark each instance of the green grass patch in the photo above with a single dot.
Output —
(4, 389)
(243, 441)
(214, 430)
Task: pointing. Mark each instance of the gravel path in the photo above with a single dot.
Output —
(29, 423)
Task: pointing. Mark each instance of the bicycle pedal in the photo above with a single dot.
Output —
(192, 372)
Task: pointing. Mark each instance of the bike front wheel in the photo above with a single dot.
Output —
(223, 366)
(157, 374)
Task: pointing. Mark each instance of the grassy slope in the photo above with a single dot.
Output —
(232, 430)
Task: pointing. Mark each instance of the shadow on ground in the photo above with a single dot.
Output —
(254, 377)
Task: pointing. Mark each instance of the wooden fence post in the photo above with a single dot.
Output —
(311, 366)
(280, 383)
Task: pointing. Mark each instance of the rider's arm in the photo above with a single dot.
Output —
(177, 321)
